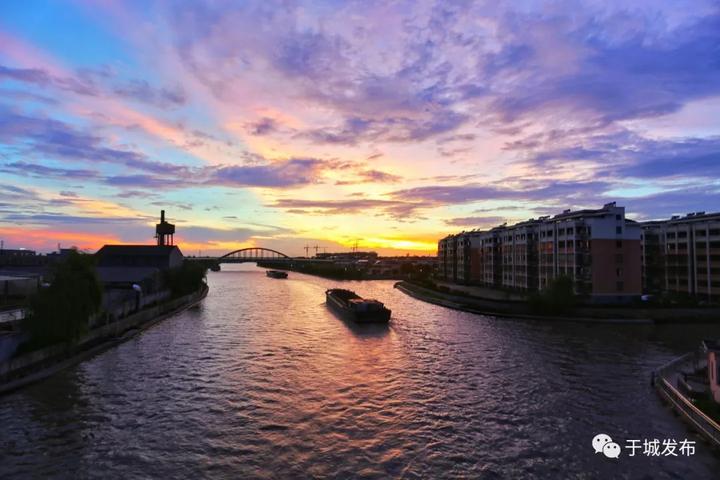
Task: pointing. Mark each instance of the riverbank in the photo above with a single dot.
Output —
(664, 380)
(30, 367)
(599, 314)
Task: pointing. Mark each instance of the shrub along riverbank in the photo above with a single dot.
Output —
(60, 312)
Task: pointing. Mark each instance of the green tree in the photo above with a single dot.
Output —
(185, 279)
(558, 297)
(60, 312)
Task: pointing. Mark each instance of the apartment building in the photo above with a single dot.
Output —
(489, 258)
(598, 249)
(467, 246)
(652, 251)
(519, 255)
(447, 260)
(682, 255)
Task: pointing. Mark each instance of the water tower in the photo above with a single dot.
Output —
(164, 231)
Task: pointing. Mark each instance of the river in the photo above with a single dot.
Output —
(263, 381)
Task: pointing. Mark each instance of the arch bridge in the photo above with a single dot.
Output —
(252, 254)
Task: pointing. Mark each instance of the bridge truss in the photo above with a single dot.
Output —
(252, 254)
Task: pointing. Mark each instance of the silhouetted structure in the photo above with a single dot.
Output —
(162, 257)
(164, 231)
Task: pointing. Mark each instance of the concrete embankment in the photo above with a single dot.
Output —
(36, 365)
(522, 310)
(665, 380)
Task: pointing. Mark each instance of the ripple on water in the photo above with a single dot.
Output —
(264, 382)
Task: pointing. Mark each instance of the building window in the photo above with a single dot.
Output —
(618, 230)
(620, 286)
(618, 272)
(618, 243)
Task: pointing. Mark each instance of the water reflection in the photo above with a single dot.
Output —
(362, 329)
(263, 381)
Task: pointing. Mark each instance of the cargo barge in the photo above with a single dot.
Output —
(276, 274)
(350, 305)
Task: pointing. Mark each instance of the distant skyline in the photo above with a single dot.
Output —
(389, 124)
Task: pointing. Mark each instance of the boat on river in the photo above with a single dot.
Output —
(276, 274)
(361, 310)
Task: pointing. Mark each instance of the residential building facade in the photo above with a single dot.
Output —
(599, 250)
(682, 255)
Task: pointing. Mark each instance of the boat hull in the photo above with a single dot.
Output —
(276, 274)
(341, 309)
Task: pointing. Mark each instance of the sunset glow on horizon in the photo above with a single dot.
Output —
(385, 125)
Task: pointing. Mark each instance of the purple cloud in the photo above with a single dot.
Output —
(292, 172)
(86, 82)
(475, 222)
(141, 91)
(395, 208)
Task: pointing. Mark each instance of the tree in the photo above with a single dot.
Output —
(60, 312)
(557, 297)
(185, 279)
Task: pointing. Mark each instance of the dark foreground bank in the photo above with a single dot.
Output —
(24, 369)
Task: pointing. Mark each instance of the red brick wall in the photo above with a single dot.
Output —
(605, 263)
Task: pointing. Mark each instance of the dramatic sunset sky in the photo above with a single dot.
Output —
(389, 123)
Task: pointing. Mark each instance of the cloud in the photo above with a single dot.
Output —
(390, 129)
(58, 139)
(262, 127)
(41, 171)
(526, 190)
(285, 173)
(371, 176)
(475, 222)
(141, 91)
(394, 208)
(46, 136)
(86, 83)
(623, 154)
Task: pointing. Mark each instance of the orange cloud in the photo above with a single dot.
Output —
(43, 240)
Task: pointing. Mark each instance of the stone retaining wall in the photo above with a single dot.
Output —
(33, 364)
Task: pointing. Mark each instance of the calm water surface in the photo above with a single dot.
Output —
(264, 382)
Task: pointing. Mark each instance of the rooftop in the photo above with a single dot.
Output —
(134, 250)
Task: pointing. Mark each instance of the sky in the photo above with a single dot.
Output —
(381, 124)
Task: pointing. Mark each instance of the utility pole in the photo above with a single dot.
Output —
(307, 248)
(316, 247)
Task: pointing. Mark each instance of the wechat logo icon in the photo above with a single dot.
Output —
(602, 443)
